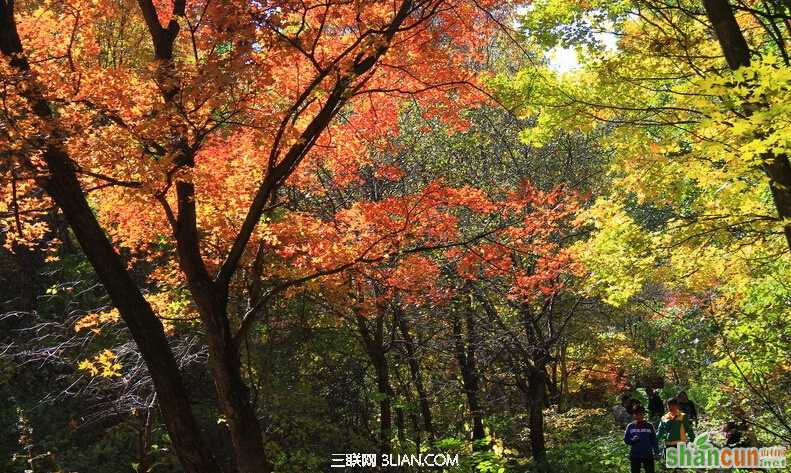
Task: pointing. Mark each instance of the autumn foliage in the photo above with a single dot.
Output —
(182, 122)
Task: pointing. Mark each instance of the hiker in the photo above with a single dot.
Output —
(747, 436)
(641, 438)
(655, 410)
(623, 411)
(687, 407)
(733, 435)
(675, 427)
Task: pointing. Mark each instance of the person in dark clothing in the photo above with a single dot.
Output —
(687, 407)
(655, 406)
(641, 438)
(623, 411)
(747, 436)
(733, 435)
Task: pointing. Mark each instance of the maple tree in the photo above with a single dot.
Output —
(517, 257)
(404, 227)
(519, 282)
(182, 122)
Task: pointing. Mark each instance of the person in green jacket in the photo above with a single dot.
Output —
(675, 427)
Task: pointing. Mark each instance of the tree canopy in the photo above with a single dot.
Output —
(244, 237)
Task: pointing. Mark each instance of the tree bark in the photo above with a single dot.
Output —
(233, 397)
(146, 329)
(537, 392)
(729, 35)
(564, 379)
(374, 347)
(465, 355)
(416, 429)
(737, 53)
(400, 425)
(385, 403)
(415, 373)
(224, 358)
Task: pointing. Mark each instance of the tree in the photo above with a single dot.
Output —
(517, 282)
(692, 101)
(148, 125)
(775, 164)
(673, 111)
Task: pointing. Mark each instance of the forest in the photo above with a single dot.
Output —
(467, 236)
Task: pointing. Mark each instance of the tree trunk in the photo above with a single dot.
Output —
(535, 401)
(385, 403)
(374, 347)
(737, 53)
(224, 357)
(234, 401)
(415, 373)
(729, 35)
(400, 426)
(564, 379)
(146, 329)
(240, 415)
(553, 385)
(469, 375)
(416, 427)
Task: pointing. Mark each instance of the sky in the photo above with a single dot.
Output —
(565, 59)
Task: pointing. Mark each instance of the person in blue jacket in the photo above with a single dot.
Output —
(641, 437)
